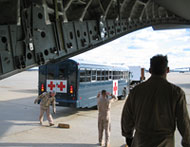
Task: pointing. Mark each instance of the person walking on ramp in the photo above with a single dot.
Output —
(46, 99)
(104, 105)
(154, 108)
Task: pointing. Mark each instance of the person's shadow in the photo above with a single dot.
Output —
(47, 145)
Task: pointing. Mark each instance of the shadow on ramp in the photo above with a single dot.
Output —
(47, 145)
(33, 91)
(22, 114)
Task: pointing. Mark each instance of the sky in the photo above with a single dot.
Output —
(136, 48)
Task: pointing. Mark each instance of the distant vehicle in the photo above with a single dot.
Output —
(182, 70)
(33, 69)
(77, 84)
(136, 74)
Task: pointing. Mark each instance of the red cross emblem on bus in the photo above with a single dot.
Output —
(51, 85)
(115, 88)
(61, 86)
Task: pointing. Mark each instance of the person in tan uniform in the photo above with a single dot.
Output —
(124, 92)
(104, 105)
(154, 108)
(46, 99)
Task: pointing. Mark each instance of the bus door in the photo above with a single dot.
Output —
(46, 72)
(53, 83)
(66, 92)
(50, 79)
(56, 80)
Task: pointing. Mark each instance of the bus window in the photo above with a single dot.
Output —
(88, 72)
(51, 72)
(110, 75)
(106, 75)
(114, 74)
(88, 79)
(103, 75)
(93, 75)
(82, 76)
(88, 75)
(82, 73)
(62, 73)
(82, 79)
(99, 75)
(85, 75)
(118, 75)
(121, 75)
(126, 74)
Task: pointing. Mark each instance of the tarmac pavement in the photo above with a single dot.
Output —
(19, 125)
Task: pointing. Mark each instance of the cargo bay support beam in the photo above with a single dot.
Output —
(34, 32)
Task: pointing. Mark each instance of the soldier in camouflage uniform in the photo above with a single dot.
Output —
(46, 99)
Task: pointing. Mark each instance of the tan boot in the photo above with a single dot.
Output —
(51, 124)
(101, 143)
